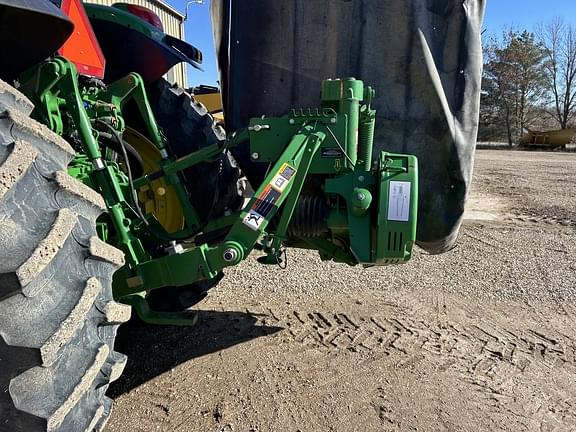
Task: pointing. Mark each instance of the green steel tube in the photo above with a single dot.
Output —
(132, 87)
(344, 97)
(244, 237)
(352, 94)
(105, 179)
(313, 143)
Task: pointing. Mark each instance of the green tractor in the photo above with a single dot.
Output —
(118, 191)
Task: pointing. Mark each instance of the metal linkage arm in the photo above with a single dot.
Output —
(57, 79)
(131, 87)
(282, 185)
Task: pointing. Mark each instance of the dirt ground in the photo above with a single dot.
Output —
(481, 338)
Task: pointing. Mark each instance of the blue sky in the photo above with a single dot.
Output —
(525, 14)
(520, 14)
(198, 32)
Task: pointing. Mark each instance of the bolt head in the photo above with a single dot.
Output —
(255, 155)
(230, 255)
(361, 178)
(291, 121)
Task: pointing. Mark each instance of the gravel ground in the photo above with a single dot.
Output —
(480, 338)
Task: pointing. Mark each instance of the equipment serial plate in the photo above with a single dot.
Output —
(399, 201)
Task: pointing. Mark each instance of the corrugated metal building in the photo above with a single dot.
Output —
(173, 22)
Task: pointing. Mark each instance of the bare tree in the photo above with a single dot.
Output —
(512, 84)
(559, 42)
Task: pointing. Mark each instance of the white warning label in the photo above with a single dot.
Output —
(399, 201)
(253, 220)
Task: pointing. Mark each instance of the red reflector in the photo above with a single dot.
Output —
(146, 14)
(82, 47)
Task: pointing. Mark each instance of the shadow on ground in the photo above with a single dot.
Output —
(153, 350)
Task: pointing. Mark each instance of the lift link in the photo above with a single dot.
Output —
(312, 146)
(204, 262)
(131, 87)
(54, 83)
(57, 79)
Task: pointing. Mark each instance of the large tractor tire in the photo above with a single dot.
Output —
(188, 127)
(57, 317)
(214, 188)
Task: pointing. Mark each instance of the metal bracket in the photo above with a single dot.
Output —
(149, 316)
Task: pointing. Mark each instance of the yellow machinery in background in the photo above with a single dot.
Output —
(211, 98)
(547, 139)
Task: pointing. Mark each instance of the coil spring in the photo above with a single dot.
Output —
(309, 218)
(365, 140)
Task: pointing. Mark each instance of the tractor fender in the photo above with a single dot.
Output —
(22, 21)
(143, 49)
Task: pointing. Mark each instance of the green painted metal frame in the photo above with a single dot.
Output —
(203, 261)
(334, 142)
(53, 87)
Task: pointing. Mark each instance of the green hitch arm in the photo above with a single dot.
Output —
(280, 185)
(171, 270)
(171, 168)
(132, 87)
(206, 154)
(104, 176)
(279, 236)
(60, 78)
(204, 262)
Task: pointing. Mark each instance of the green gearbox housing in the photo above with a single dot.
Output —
(365, 207)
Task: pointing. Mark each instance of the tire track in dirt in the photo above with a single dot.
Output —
(549, 220)
(389, 333)
(524, 372)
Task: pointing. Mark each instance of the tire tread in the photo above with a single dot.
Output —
(54, 380)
